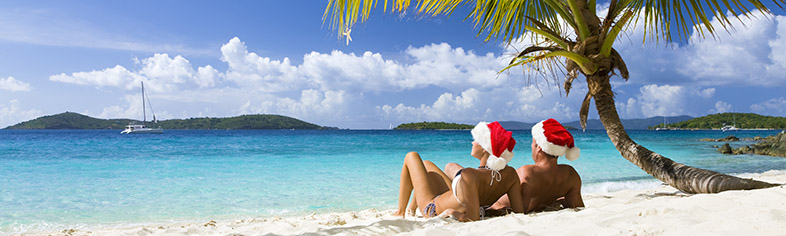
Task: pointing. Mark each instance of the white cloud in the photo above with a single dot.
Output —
(14, 85)
(166, 71)
(471, 105)
(721, 107)
(117, 76)
(706, 93)
(251, 70)
(13, 113)
(131, 110)
(668, 100)
(435, 64)
(745, 56)
(773, 107)
(446, 108)
(161, 74)
(440, 64)
(312, 105)
(207, 76)
(367, 72)
(751, 55)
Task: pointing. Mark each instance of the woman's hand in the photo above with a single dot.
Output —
(460, 216)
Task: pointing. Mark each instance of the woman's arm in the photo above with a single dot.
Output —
(514, 192)
(470, 197)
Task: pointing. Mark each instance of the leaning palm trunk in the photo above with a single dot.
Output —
(685, 178)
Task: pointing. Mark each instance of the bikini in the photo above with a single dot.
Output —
(458, 178)
(431, 209)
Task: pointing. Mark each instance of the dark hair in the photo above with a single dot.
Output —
(548, 155)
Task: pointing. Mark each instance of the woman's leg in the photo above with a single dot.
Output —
(414, 177)
(451, 169)
(439, 182)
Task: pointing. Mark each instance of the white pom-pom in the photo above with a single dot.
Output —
(572, 154)
(496, 163)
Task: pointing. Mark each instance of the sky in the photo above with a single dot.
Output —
(229, 58)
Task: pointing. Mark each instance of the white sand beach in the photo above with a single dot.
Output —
(659, 211)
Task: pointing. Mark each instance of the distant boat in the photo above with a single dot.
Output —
(730, 127)
(133, 128)
(665, 126)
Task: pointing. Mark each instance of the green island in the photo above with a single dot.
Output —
(738, 120)
(71, 120)
(432, 125)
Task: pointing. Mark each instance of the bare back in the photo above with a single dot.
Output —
(489, 190)
(478, 188)
(541, 187)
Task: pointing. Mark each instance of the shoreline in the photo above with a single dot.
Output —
(655, 211)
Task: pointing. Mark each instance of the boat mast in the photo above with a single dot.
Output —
(144, 116)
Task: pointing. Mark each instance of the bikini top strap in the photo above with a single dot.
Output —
(495, 175)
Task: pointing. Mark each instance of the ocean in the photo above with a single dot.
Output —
(52, 180)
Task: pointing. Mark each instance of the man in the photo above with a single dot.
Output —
(545, 183)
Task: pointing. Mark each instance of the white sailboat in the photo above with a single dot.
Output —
(665, 125)
(730, 127)
(133, 128)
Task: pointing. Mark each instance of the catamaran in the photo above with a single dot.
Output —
(730, 127)
(665, 125)
(133, 128)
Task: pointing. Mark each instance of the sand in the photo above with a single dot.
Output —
(659, 211)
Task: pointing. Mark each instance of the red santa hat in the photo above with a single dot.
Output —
(555, 139)
(496, 141)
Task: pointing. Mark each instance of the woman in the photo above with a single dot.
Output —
(471, 188)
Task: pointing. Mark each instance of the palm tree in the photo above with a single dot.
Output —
(589, 52)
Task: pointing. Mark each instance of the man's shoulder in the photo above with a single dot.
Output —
(509, 170)
(567, 167)
(570, 173)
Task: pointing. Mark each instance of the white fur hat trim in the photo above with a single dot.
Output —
(482, 135)
(552, 149)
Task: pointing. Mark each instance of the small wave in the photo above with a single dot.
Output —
(607, 187)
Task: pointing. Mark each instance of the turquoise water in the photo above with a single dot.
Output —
(56, 179)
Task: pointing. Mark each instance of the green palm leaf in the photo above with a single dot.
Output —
(507, 19)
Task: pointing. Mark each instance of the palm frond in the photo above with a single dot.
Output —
(663, 16)
(586, 65)
(508, 19)
(609, 39)
(504, 19)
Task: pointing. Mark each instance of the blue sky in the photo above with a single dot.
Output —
(227, 58)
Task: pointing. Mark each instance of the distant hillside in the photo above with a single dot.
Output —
(240, 122)
(433, 125)
(631, 124)
(70, 120)
(739, 120)
(515, 125)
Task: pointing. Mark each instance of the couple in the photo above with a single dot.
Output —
(494, 186)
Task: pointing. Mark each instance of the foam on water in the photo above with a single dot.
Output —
(58, 179)
(608, 187)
